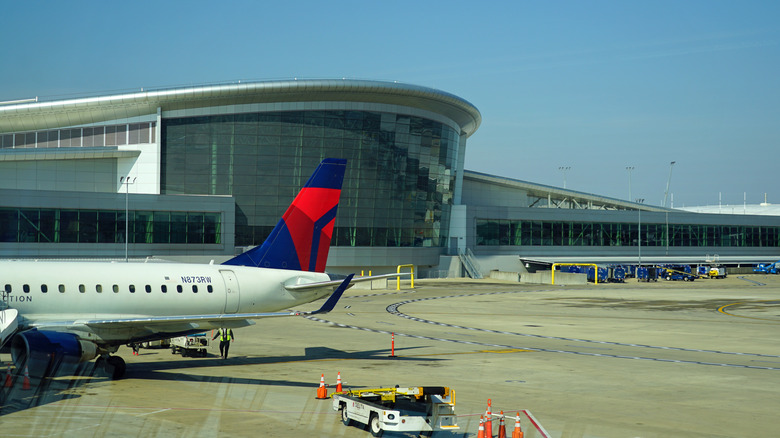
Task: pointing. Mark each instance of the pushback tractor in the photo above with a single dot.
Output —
(420, 409)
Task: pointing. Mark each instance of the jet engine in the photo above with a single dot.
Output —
(48, 353)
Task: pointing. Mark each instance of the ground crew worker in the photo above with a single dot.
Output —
(225, 336)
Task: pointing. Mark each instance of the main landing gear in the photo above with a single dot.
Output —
(114, 366)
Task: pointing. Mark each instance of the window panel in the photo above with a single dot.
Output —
(68, 226)
(121, 135)
(88, 225)
(162, 227)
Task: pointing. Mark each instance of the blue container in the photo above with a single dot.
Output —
(602, 273)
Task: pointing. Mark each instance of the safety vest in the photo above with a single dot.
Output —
(225, 335)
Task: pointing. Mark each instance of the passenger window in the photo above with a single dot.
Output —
(61, 288)
(132, 288)
(164, 288)
(115, 288)
(209, 288)
(44, 288)
(195, 288)
(148, 289)
(179, 288)
(82, 289)
(99, 288)
(8, 288)
(26, 288)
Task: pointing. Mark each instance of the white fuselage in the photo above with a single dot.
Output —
(46, 292)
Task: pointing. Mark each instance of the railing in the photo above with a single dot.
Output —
(398, 279)
(469, 262)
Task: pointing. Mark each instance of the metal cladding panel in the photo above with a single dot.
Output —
(22, 117)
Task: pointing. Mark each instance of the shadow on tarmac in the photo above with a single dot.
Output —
(43, 391)
(51, 390)
(310, 354)
(156, 370)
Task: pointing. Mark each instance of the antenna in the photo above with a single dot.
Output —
(668, 182)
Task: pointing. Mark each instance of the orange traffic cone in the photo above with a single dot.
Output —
(26, 381)
(9, 381)
(481, 431)
(501, 426)
(322, 392)
(338, 383)
(518, 432)
(488, 422)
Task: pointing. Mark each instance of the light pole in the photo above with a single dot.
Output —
(564, 169)
(629, 169)
(668, 182)
(639, 231)
(126, 181)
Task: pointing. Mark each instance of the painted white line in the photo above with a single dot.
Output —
(536, 423)
(81, 428)
(155, 412)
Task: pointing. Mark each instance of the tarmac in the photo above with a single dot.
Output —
(665, 359)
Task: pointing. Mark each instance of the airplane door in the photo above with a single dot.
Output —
(231, 291)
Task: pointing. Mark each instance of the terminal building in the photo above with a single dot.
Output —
(202, 173)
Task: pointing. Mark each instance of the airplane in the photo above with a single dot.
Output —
(57, 314)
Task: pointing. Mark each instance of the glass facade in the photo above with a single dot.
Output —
(397, 190)
(33, 225)
(549, 233)
(111, 135)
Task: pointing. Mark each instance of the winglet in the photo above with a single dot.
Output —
(335, 296)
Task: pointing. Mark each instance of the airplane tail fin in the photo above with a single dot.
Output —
(301, 239)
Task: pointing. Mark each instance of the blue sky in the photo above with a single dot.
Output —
(593, 85)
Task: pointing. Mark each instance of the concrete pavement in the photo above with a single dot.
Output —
(679, 359)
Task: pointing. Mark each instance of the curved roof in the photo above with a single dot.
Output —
(561, 196)
(79, 111)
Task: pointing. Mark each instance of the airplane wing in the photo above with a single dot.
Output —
(319, 284)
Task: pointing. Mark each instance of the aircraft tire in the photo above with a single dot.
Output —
(116, 367)
(100, 364)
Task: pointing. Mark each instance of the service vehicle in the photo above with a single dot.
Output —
(718, 272)
(420, 409)
(677, 273)
(159, 343)
(192, 345)
(767, 268)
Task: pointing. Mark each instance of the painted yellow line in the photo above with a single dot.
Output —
(329, 359)
(508, 350)
(720, 309)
